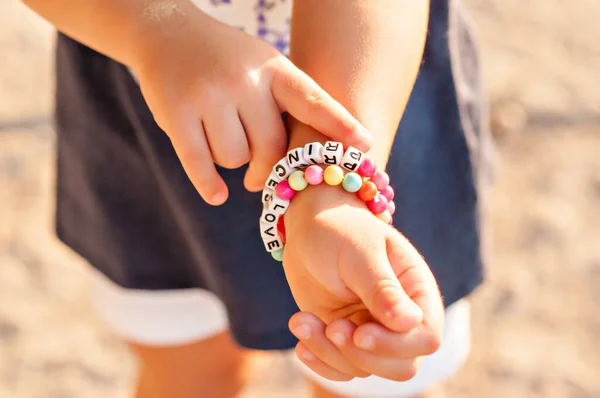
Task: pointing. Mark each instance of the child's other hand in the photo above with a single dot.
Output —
(359, 283)
(219, 94)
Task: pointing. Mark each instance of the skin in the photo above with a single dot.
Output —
(218, 85)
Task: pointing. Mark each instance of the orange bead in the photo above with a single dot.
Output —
(368, 191)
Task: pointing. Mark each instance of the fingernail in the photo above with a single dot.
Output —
(302, 332)
(309, 356)
(338, 339)
(366, 342)
(219, 198)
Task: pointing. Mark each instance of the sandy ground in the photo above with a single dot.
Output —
(536, 320)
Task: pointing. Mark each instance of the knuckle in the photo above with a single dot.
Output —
(234, 158)
(383, 294)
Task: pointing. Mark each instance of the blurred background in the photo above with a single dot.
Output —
(536, 323)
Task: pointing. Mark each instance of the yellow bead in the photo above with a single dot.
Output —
(297, 181)
(334, 175)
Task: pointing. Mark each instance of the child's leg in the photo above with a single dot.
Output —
(213, 368)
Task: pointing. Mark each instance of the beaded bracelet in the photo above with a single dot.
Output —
(302, 167)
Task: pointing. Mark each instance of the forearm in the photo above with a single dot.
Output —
(366, 54)
(121, 29)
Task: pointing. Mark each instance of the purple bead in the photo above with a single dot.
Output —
(367, 168)
(388, 192)
(378, 205)
(391, 207)
(381, 180)
(313, 175)
(284, 191)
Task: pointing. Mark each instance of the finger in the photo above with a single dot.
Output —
(378, 340)
(340, 333)
(226, 137)
(310, 330)
(299, 95)
(418, 281)
(189, 141)
(374, 282)
(318, 366)
(267, 139)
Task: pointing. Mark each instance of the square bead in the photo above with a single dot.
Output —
(295, 158)
(268, 216)
(282, 169)
(352, 159)
(278, 205)
(272, 181)
(313, 153)
(270, 237)
(267, 194)
(332, 153)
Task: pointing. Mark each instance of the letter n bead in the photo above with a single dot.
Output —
(332, 153)
(352, 159)
(295, 158)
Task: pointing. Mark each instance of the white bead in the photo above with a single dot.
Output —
(267, 194)
(282, 169)
(272, 181)
(352, 159)
(270, 237)
(278, 205)
(313, 153)
(268, 216)
(332, 153)
(295, 158)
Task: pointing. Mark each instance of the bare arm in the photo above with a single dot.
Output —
(366, 54)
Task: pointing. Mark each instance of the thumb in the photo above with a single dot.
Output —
(380, 291)
(300, 96)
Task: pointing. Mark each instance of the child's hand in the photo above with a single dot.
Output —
(219, 94)
(359, 283)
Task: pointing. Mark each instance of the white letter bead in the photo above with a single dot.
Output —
(267, 194)
(270, 237)
(313, 153)
(295, 158)
(272, 181)
(278, 205)
(352, 159)
(282, 169)
(268, 216)
(333, 152)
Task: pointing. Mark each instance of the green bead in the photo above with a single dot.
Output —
(277, 254)
(297, 181)
(352, 182)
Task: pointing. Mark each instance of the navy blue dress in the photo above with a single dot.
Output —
(125, 204)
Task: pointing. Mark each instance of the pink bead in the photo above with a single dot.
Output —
(378, 205)
(388, 192)
(367, 168)
(284, 191)
(391, 207)
(313, 175)
(381, 180)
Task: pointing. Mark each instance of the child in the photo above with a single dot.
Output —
(151, 94)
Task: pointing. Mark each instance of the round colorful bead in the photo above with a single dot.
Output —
(368, 191)
(367, 168)
(378, 204)
(277, 254)
(333, 175)
(391, 207)
(284, 191)
(281, 228)
(352, 182)
(313, 175)
(388, 192)
(297, 180)
(381, 179)
(385, 216)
